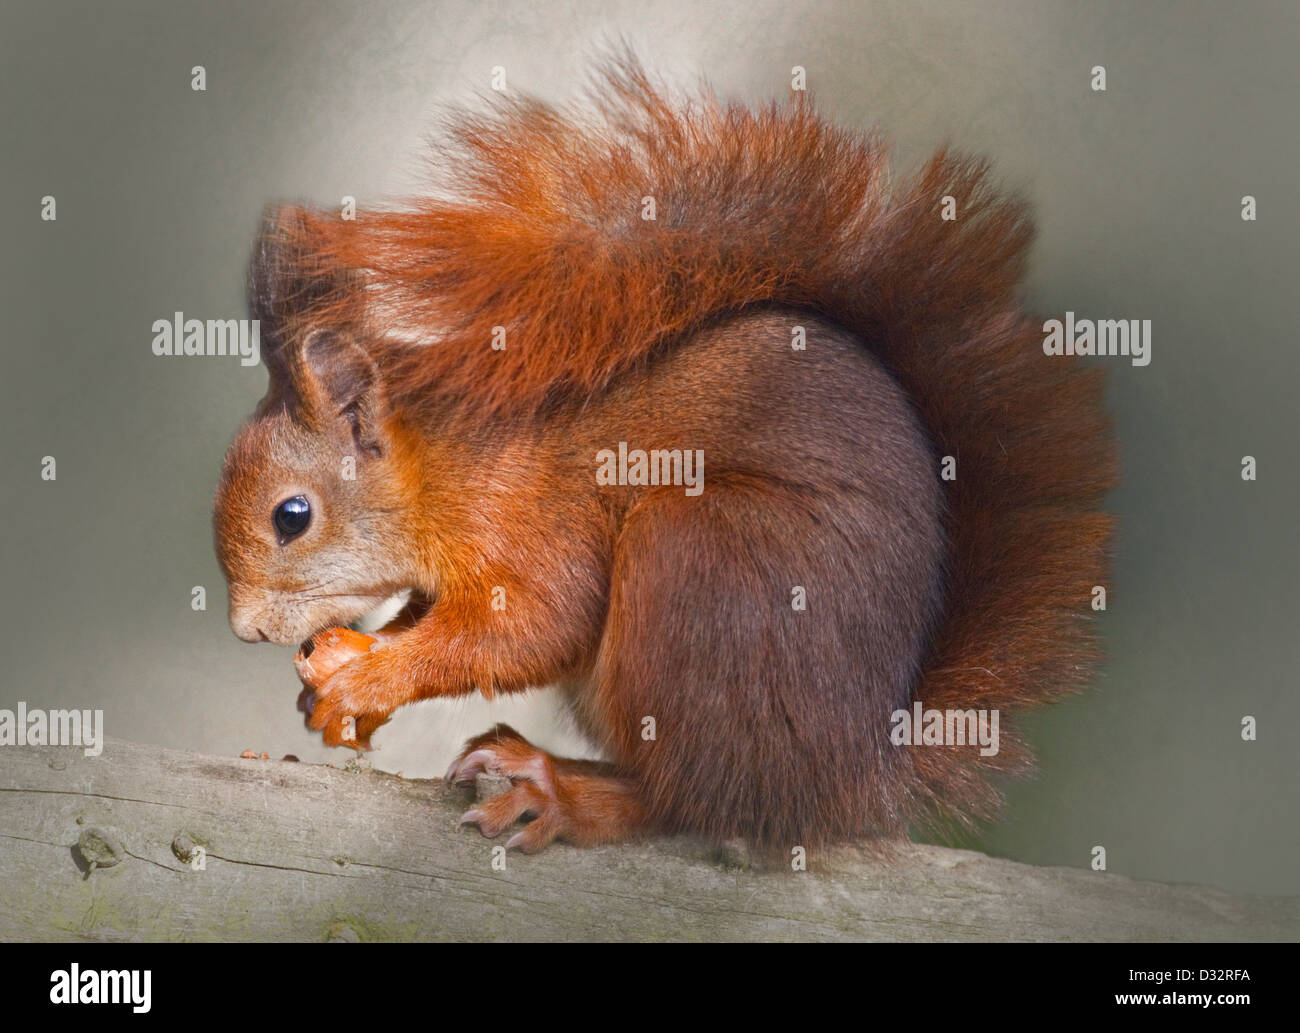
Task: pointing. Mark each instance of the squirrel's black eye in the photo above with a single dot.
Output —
(292, 517)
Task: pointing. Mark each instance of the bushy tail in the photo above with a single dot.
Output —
(540, 224)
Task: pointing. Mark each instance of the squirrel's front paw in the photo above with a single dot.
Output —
(337, 725)
(338, 697)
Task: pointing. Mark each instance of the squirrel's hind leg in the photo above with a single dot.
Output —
(758, 639)
(580, 802)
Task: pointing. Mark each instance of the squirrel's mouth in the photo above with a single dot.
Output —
(405, 605)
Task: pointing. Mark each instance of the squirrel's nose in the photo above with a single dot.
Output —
(246, 630)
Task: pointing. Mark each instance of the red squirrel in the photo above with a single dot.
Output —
(898, 492)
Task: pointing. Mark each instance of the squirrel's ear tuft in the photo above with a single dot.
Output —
(289, 280)
(342, 381)
(271, 276)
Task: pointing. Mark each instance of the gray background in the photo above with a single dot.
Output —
(1137, 191)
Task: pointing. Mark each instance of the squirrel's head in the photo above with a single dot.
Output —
(308, 516)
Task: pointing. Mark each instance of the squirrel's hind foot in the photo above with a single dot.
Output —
(579, 802)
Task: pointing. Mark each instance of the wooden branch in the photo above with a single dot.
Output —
(307, 852)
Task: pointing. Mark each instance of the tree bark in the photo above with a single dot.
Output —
(143, 843)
